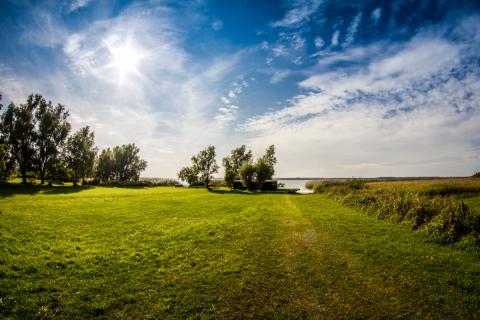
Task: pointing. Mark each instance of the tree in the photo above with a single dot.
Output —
(247, 174)
(80, 154)
(264, 171)
(270, 160)
(127, 163)
(205, 164)
(52, 131)
(18, 130)
(188, 174)
(3, 161)
(234, 161)
(57, 169)
(105, 170)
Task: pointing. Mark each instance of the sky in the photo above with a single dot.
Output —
(342, 89)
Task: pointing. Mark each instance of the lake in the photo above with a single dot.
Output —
(295, 184)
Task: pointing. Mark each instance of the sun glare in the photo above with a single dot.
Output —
(125, 60)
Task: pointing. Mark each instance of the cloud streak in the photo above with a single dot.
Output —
(402, 113)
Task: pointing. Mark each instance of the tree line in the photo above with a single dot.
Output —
(239, 165)
(36, 139)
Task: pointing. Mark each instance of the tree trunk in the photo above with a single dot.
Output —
(24, 174)
(42, 175)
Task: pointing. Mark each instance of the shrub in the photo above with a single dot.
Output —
(445, 217)
(451, 189)
(144, 182)
(218, 183)
(339, 187)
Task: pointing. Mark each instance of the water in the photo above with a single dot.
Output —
(296, 184)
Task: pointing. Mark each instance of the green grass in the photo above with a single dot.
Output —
(159, 253)
(467, 184)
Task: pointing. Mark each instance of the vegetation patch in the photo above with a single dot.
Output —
(435, 209)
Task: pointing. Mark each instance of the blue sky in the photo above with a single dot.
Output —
(361, 88)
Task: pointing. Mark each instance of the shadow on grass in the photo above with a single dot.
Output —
(11, 189)
(251, 193)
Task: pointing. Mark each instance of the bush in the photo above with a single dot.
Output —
(445, 217)
(218, 183)
(452, 189)
(145, 182)
(341, 187)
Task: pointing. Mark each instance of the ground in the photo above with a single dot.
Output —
(156, 253)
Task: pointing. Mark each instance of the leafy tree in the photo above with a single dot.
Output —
(105, 166)
(80, 154)
(189, 174)
(234, 161)
(206, 165)
(18, 130)
(57, 169)
(247, 174)
(127, 163)
(3, 161)
(264, 171)
(52, 131)
(270, 160)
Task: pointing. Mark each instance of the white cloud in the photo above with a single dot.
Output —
(77, 4)
(297, 60)
(226, 115)
(335, 36)
(319, 43)
(352, 30)
(44, 30)
(279, 50)
(420, 58)
(168, 108)
(402, 113)
(299, 12)
(376, 15)
(228, 112)
(279, 75)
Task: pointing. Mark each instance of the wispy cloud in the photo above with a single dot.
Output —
(407, 108)
(166, 104)
(352, 30)
(279, 75)
(77, 4)
(376, 15)
(299, 12)
(228, 112)
(334, 40)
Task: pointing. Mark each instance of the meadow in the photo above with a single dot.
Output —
(180, 253)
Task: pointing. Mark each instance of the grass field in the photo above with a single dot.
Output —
(156, 253)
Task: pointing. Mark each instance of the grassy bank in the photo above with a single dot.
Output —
(446, 208)
(156, 253)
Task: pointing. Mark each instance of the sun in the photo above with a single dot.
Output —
(125, 60)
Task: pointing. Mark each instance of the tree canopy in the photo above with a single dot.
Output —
(18, 130)
(34, 137)
(203, 167)
(80, 153)
(52, 131)
(234, 161)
